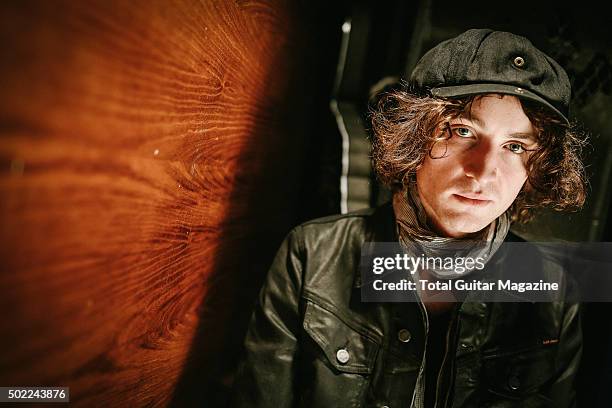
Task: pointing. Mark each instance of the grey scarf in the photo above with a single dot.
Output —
(417, 237)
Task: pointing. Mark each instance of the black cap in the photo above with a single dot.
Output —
(485, 61)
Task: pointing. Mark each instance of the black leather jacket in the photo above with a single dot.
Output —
(497, 354)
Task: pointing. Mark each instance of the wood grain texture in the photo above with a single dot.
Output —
(148, 156)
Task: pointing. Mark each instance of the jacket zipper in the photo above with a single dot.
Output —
(450, 325)
(419, 390)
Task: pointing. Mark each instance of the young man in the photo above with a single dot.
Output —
(480, 139)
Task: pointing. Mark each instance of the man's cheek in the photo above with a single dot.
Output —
(517, 189)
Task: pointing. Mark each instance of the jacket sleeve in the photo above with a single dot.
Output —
(563, 390)
(265, 376)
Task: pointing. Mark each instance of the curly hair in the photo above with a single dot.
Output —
(404, 125)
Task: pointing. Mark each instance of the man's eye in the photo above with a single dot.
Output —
(515, 148)
(463, 132)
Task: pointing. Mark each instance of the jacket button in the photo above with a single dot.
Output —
(342, 356)
(514, 382)
(404, 335)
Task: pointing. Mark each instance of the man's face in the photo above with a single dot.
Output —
(476, 174)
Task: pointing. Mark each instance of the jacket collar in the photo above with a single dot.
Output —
(381, 228)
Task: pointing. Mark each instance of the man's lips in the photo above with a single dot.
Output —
(472, 199)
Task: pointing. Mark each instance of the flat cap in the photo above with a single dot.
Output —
(481, 61)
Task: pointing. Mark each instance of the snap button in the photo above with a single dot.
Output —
(342, 356)
(519, 62)
(519, 90)
(514, 382)
(404, 335)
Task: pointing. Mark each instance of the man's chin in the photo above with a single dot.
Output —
(459, 228)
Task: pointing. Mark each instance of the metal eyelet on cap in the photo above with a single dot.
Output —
(342, 356)
(518, 62)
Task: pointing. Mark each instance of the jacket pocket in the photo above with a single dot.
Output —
(520, 374)
(337, 357)
(347, 347)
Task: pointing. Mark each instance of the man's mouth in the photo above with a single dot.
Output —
(472, 199)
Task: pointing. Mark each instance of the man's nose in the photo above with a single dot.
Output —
(481, 162)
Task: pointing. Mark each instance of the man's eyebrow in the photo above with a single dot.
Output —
(471, 118)
(523, 135)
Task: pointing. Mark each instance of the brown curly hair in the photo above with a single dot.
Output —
(404, 125)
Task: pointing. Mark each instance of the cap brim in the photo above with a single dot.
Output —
(475, 89)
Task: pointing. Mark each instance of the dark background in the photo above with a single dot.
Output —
(154, 154)
(386, 40)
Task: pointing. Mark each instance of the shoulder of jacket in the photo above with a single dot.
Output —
(341, 229)
(344, 231)
(378, 220)
(332, 219)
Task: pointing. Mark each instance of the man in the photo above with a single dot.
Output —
(478, 140)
